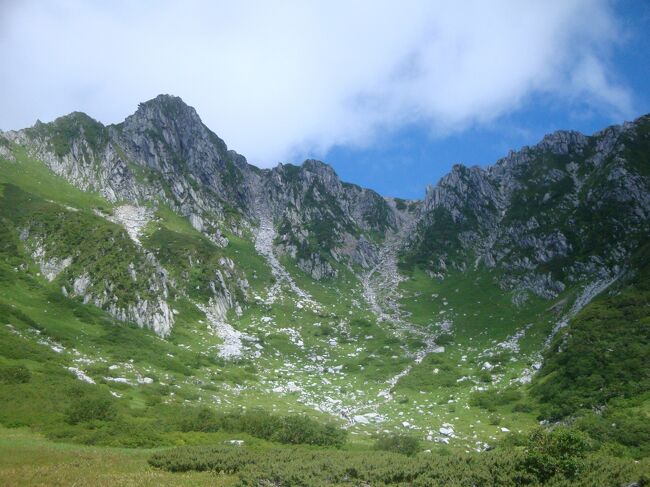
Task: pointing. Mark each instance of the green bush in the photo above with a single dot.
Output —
(522, 407)
(625, 427)
(227, 460)
(89, 408)
(321, 467)
(603, 354)
(405, 444)
(292, 429)
(560, 451)
(493, 398)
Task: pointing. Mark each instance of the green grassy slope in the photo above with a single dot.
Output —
(322, 362)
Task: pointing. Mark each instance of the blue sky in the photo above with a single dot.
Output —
(390, 93)
(402, 162)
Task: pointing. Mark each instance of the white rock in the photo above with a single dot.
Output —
(234, 442)
(81, 375)
(447, 431)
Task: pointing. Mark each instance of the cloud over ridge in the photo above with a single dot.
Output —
(278, 79)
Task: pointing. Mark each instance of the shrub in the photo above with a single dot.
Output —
(493, 398)
(203, 419)
(405, 444)
(293, 429)
(217, 459)
(627, 428)
(559, 451)
(603, 354)
(305, 466)
(88, 408)
(522, 407)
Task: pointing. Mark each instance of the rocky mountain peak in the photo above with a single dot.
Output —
(319, 167)
(168, 135)
(164, 110)
(167, 120)
(563, 141)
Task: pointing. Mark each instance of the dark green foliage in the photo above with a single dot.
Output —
(445, 339)
(192, 259)
(76, 126)
(603, 354)
(440, 234)
(14, 374)
(219, 459)
(304, 430)
(405, 444)
(557, 452)
(493, 398)
(310, 467)
(294, 429)
(91, 408)
(96, 246)
(619, 425)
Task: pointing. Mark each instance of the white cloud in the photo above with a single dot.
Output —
(276, 79)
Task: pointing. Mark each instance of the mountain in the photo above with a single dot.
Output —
(510, 294)
(566, 210)
(164, 154)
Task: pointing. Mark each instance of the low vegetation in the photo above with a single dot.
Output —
(558, 458)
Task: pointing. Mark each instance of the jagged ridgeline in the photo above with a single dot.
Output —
(147, 262)
(164, 158)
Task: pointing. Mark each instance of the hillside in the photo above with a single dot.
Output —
(159, 290)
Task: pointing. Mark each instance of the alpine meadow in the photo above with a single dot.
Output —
(172, 314)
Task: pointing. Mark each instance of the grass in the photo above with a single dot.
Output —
(336, 355)
(28, 459)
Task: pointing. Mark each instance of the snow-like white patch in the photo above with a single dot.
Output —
(264, 237)
(81, 284)
(47, 341)
(133, 218)
(232, 346)
(52, 267)
(584, 298)
(512, 342)
(234, 442)
(81, 375)
(120, 380)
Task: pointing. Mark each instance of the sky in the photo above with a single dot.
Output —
(391, 94)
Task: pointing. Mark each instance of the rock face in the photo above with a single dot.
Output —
(322, 220)
(570, 208)
(163, 151)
